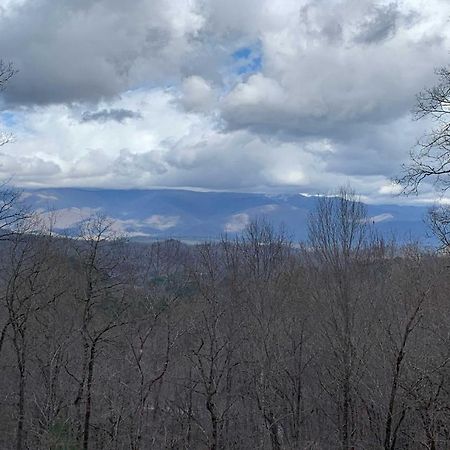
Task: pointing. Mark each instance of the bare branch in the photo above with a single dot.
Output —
(7, 71)
(430, 158)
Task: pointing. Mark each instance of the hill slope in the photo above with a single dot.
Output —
(189, 215)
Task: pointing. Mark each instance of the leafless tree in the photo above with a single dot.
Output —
(7, 71)
(155, 327)
(15, 216)
(339, 240)
(430, 159)
(215, 342)
(30, 287)
(101, 302)
(439, 223)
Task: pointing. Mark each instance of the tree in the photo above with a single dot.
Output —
(439, 223)
(29, 280)
(7, 71)
(101, 306)
(12, 210)
(430, 159)
(15, 216)
(215, 343)
(262, 261)
(338, 237)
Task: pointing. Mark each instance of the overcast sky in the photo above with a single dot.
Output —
(240, 95)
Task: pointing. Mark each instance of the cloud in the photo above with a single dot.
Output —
(69, 218)
(380, 218)
(66, 217)
(248, 95)
(381, 24)
(27, 167)
(321, 77)
(161, 222)
(119, 115)
(237, 223)
(168, 147)
(41, 197)
(197, 94)
(93, 49)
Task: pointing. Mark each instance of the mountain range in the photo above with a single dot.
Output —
(194, 216)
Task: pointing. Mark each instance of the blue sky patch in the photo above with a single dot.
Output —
(242, 53)
(248, 59)
(8, 118)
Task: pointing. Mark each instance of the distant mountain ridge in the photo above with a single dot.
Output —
(195, 216)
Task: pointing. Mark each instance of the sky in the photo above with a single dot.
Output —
(236, 95)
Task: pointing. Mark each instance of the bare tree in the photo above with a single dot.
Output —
(30, 287)
(151, 336)
(15, 220)
(102, 304)
(430, 159)
(438, 220)
(215, 341)
(7, 71)
(15, 216)
(338, 236)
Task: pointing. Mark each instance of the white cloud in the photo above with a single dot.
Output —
(164, 146)
(390, 189)
(161, 222)
(380, 218)
(197, 94)
(237, 223)
(66, 217)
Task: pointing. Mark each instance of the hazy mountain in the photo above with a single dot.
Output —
(196, 216)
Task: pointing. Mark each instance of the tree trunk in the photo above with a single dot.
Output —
(87, 411)
(211, 407)
(21, 403)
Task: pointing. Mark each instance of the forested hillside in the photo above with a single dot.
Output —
(250, 343)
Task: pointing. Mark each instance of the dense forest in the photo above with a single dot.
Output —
(253, 342)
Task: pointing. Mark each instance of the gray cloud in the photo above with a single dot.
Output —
(27, 167)
(328, 103)
(327, 92)
(87, 50)
(380, 25)
(104, 115)
(197, 94)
